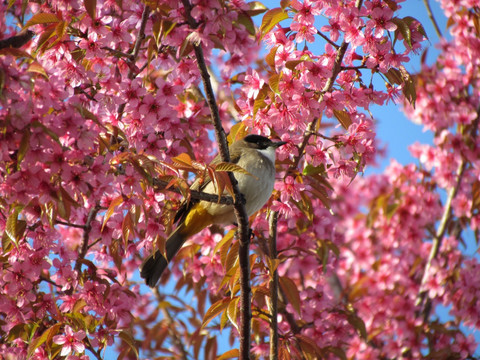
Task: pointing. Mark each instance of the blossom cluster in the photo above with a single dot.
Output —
(109, 92)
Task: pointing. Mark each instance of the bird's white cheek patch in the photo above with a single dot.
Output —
(269, 153)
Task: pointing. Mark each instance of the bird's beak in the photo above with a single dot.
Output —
(278, 144)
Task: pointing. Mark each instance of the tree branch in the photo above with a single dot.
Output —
(337, 67)
(176, 339)
(432, 18)
(239, 206)
(272, 240)
(134, 56)
(86, 231)
(194, 194)
(425, 306)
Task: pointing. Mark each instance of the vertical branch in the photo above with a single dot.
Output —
(239, 204)
(272, 242)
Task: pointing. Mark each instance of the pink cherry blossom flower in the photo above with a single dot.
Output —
(71, 341)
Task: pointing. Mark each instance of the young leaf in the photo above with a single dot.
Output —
(224, 166)
(115, 202)
(24, 146)
(237, 132)
(46, 336)
(230, 354)
(91, 7)
(291, 292)
(343, 118)
(215, 310)
(130, 341)
(127, 227)
(232, 311)
(42, 18)
(270, 19)
(270, 58)
(256, 8)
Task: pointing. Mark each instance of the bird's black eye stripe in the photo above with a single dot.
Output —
(261, 141)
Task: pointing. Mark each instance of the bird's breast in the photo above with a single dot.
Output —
(257, 187)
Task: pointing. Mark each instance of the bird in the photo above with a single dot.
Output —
(253, 153)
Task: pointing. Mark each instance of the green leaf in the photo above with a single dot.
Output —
(358, 324)
(46, 337)
(274, 82)
(409, 20)
(270, 19)
(14, 229)
(408, 89)
(47, 131)
(394, 76)
(256, 8)
(246, 20)
(404, 29)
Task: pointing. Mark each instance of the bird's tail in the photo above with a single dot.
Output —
(154, 265)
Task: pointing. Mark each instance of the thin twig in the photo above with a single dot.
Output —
(60, 222)
(239, 206)
(134, 56)
(272, 240)
(337, 67)
(231, 107)
(432, 18)
(327, 39)
(86, 232)
(171, 323)
(425, 306)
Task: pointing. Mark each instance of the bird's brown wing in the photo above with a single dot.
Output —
(198, 185)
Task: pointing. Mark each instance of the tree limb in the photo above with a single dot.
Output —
(239, 206)
(272, 240)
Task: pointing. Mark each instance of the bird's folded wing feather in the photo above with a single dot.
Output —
(199, 185)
